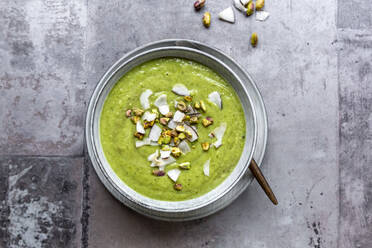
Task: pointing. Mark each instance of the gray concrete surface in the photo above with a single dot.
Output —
(312, 65)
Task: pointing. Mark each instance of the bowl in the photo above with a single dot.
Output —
(195, 208)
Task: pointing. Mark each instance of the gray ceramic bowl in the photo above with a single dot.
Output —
(199, 207)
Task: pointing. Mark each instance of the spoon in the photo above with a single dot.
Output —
(256, 171)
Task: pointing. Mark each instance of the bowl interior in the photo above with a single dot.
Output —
(124, 192)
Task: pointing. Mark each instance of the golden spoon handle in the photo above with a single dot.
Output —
(262, 181)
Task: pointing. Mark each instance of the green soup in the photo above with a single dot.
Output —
(131, 164)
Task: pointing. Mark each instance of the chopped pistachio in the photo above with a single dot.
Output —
(185, 165)
(186, 118)
(167, 132)
(202, 106)
(176, 141)
(180, 128)
(138, 135)
(197, 105)
(158, 173)
(254, 39)
(182, 136)
(205, 146)
(138, 112)
(176, 152)
(250, 8)
(169, 115)
(167, 139)
(181, 106)
(148, 124)
(160, 140)
(135, 119)
(194, 120)
(174, 133)
(164, 120)
(155, 111)
(178, 186)
(260, 4)
(165, 148)
(128, 113)
(188, 134)
(187, 98)
(207, 121)
(207, 19)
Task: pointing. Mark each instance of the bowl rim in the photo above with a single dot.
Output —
(92, 149)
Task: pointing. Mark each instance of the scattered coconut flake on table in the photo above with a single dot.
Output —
(239, 6)
(227, 15)
(165, 154)
(184, 147)
(218, 133)
(174, 174)
(194, 133)
(178, 116)
(181, 90)
(262, 15)
(215, 98)
(206, 168)
(155, 133)
(144, 99)
(161, 103)
(147, 116)
(140, 128)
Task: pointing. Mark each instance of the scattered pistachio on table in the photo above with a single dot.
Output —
(207, 19)
(181, 106)
(178, 186)
(260, 4)
(138, 135)
(250, 8)
(135, 119)
(205, 146)
(254, 39)
(199, 4)
(185, 165)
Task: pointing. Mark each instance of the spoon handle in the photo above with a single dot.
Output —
(256, 171)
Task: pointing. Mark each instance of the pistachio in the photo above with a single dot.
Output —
(182, 136)
(176, 152)
(197, 105)
(260, 4)
(181, 106)
(254, 39)
(165, 148)
(135, 119)
(205, 146)
(176, 141)
(174, 133)
(167, 139)
(155, 111)
(138, 135)
(250, 8)
(185, 165)
(207, 19)
(207, 121)
(138, 112)
(186, 118)
(178, 186)
(188, 134)
(194, 120)
(169, 115)
(202, 106)
(148, 124)
(128, 113)
(158, 173)
(193, 146)
(199, 4)
(167, 132)
(180, 128)
(187, 98)
(164, 120)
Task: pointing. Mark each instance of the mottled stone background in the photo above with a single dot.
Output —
(313, 66)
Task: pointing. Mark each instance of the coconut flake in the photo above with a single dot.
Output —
(194, 133)
(181, 90)
(165, 154)
(206, 168)
(172, 124)
(178, 116)
(174, 174)
(227, 15)
(144, 142)
(262, 15)
(140, 128)
(215, 97)
(153, 156)
(161, 103)
(155, 133)
(144, 99)
(147, 116)
(184, 147)
(218, 133)
(239, 6)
